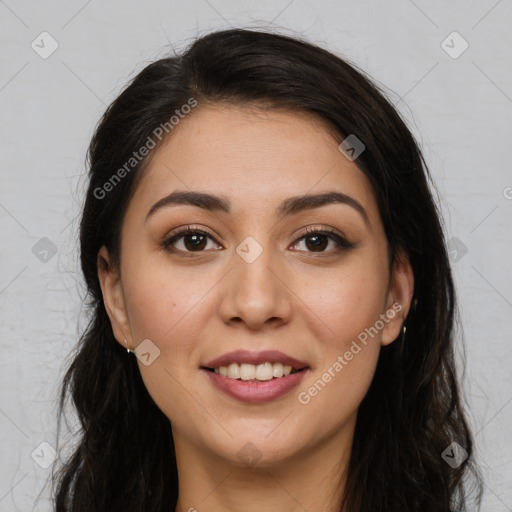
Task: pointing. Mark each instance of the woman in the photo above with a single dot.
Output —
(259, 230)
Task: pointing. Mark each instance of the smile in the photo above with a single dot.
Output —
(255, 377)
(261, 372)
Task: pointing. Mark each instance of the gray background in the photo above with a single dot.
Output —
(459, 107)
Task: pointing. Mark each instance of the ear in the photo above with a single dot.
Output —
(113, 297)
(400, 292)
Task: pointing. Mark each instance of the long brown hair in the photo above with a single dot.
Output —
(124, 455)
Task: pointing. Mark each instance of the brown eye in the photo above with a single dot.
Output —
(318, 241)
(192, 240)
(195, 241)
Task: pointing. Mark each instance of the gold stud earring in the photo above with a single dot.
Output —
(127, 349)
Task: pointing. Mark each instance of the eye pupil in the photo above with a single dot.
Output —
(198, 241)
(318, 243)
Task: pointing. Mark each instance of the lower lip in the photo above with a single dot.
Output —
(256, 391)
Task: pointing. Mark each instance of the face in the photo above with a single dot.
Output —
(285, 262)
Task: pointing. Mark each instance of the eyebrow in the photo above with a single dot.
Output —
(290, 206)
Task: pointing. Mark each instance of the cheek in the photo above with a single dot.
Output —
(350, 348)
(345, 302)
(162, 301)
(350, 305)
(164, 304)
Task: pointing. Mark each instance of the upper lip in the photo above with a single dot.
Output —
(255, 358)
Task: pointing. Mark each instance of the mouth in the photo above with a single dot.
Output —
(255, 377)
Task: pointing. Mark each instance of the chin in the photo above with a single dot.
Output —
(261, 451)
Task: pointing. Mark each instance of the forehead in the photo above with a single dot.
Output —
(256, 158)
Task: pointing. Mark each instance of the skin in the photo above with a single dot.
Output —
(311, 304)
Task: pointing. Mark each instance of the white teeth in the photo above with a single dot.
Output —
(278, 370)
(247, 371)
(233, 371)
(263, 372)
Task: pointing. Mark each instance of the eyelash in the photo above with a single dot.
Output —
(342, 243)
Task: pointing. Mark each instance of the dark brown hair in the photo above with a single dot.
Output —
(124, 455)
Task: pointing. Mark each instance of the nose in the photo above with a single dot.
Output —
(255, 294)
